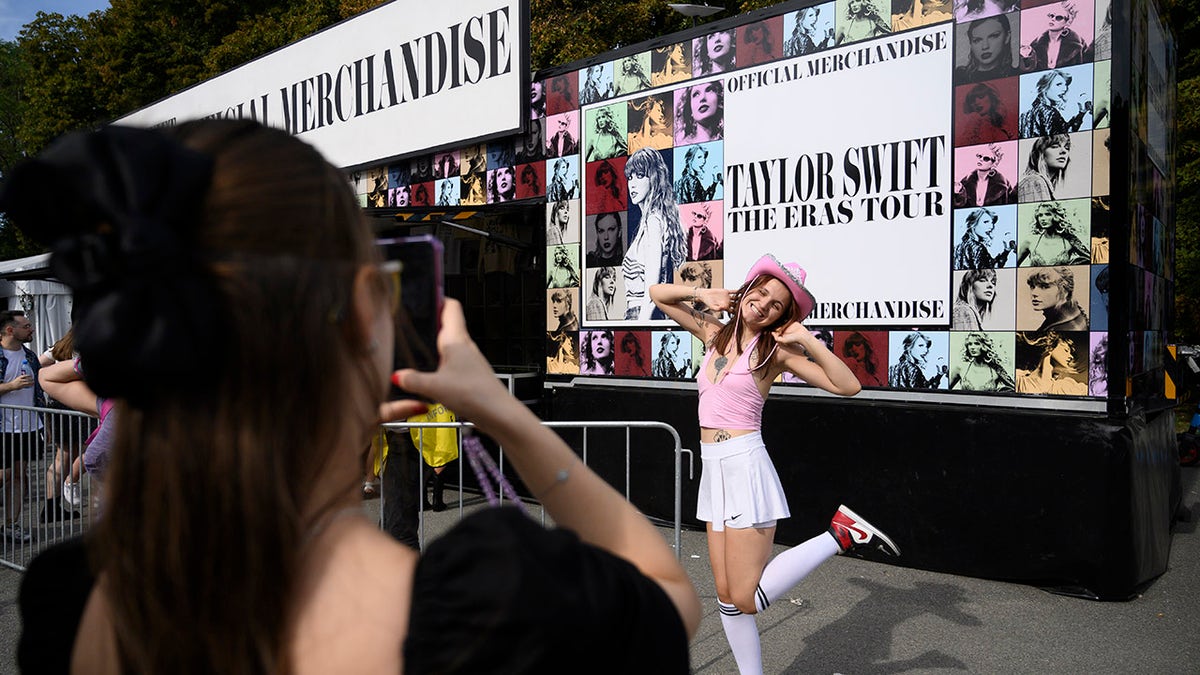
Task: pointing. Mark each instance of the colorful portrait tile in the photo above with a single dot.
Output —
(473, 159)
(1102, 43)
(701, 274)
(859, 20)
(985, 174)
(671, 354)
(398, 175)
(500, 153)
(1055, 167)
(473, 189)
(699, 349)
(531, 145)
(1102, 94)
(562, 353)
(537, 98)
(531, 180)
(1052, 363)
(700, 113)
(421, 168)
(865, 352)
(760, 42)
(972, 10)
(449, 191)
(918, 359)
(596, 355)
(699, 169)
(605, 181)
(563, 135)
(985, 237)
(1098, 365)
(501, 185)
(562, 310)
(595, 83)
(982, 361)
(1100, 229)
(984, 299)
(563, 181)
(562, 93)
(605, 243)
(562, 266)
(1069, 23)
(714, 53)
(651, 122)
(446, 164)
(907, 14)
(377, 190)
(702, 226)
(986, 112)
(988, 48)
(1054, 233)
(1056, 101)
(808, 30)
(631, 74)
(605, 287)
(607, 132)
(1099, 303)
(423, 194)
(633, 353)
(671, 64)
(562, 222)
(1101, 162)
(1053, 298)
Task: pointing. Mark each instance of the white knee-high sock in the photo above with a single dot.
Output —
(791, 566)
(742, 633)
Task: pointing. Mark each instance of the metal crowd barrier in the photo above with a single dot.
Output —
(675, 447)
(33, 466)
(38, 463)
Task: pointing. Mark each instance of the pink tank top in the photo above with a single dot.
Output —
(733, 403)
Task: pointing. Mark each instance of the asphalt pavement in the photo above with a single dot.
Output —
(855, 617)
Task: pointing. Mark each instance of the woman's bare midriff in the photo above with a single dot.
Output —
(708, 435)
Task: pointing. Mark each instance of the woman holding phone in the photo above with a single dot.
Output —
(741, 498)
(233, 537)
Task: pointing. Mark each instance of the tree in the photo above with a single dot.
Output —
(1185, 20)
(562, 31)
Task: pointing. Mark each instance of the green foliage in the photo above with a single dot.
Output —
(1185, 21)
(562, 31)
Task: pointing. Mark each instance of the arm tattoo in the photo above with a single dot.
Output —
(721, 435)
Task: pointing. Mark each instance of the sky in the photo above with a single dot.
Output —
(17, 13)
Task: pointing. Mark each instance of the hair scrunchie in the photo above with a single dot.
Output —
(118, 208)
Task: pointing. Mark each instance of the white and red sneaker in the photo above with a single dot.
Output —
(851, 532)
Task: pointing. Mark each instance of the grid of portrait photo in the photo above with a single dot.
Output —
(629, 157)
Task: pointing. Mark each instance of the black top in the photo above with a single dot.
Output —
(501, 594)
(54, 591)
(498, 593)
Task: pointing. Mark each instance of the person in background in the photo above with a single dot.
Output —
(234, 537)
(21, 439)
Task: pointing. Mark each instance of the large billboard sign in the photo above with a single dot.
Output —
(853, 177)
(405, 77)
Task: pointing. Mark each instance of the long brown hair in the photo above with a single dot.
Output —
(766, 341)
(209, 497)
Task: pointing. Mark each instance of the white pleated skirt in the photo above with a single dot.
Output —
(739, 486)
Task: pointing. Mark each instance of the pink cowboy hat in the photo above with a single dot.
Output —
(792, 276)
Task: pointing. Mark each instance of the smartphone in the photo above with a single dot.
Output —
(414, 267)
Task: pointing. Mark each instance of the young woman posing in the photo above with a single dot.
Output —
(741, 497)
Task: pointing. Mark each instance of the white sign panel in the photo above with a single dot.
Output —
(840, 161)
(405, 77)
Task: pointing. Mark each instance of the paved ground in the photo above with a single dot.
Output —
(857, 617)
